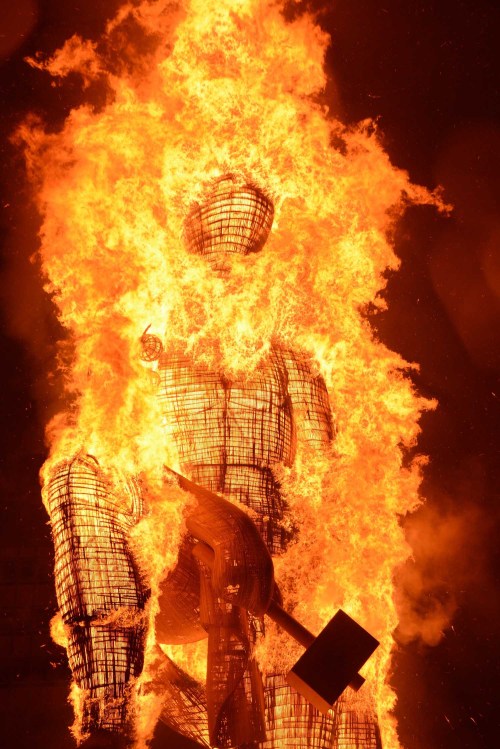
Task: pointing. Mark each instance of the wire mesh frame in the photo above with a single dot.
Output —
(357, 727)
(100, 593)
(234, 219)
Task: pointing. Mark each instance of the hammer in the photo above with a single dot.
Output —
(331, 660)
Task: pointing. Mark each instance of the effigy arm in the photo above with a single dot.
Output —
(313, 417)
(100, 594)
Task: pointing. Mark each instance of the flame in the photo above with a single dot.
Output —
(179, 95)
(58, 631)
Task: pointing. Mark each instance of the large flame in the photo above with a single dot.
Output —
(190, 93)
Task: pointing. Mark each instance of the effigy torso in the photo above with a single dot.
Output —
(231, 437)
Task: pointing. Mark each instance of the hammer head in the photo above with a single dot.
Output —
(331, 663)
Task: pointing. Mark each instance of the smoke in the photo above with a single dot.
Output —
(449, 536)
(28, 313)
(465, 266)
(452, 536)
(18, 21)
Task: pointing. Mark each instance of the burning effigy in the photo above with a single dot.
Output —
(212, 239)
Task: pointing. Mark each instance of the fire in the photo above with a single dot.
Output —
(197, 91)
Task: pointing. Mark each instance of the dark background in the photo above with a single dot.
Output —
(428, 71)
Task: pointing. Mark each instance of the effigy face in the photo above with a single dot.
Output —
(235, 217)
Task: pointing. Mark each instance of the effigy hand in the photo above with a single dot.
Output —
(242, 572)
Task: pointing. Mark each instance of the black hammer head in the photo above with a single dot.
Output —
(331, 663)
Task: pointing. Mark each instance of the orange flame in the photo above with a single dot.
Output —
(221, 86)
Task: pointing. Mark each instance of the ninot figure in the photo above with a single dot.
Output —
(230, 437)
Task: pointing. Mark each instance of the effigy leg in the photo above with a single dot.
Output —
(292, 723)
(357, 724)
(100, 594)
(184, 706)
(235, 698)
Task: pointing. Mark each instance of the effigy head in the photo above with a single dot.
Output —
(235, 218)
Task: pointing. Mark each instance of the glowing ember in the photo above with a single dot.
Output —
(200, 92)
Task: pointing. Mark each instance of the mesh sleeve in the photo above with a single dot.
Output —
(99, 590)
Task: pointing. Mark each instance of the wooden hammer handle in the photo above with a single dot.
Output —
(290, 625)
(206, 554)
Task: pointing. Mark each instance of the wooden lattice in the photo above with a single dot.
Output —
(235, 218)
(100, 594)
(357, 726)
(229, 435)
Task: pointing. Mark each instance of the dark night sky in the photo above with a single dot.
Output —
(429, 72)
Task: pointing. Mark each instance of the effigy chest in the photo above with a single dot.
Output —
(218, 422)
(231, 434)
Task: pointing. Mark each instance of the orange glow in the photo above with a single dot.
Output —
(225, 86)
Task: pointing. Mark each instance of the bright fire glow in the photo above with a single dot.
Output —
(212, 87)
